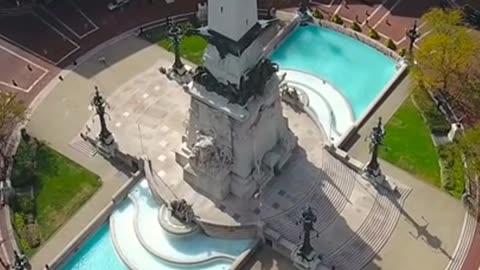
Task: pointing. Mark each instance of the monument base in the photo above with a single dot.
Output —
(310, 262)
(180, 75)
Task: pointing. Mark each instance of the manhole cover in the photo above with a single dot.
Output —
(275, 205)
(256, 211)
(282, 192)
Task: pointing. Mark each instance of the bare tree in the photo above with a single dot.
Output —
(12, 113)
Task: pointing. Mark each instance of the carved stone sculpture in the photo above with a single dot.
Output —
(251, 84)
(207, 156)
(182, 211)
(291, 96)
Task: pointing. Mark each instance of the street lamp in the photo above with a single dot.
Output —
(413, 35)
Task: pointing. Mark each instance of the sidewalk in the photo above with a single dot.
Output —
(423, 235)
(64, 112)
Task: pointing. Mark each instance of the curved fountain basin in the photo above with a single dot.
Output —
(358, 71)
(135, 240)
(328, 105)
(192, 248)
(134, 255)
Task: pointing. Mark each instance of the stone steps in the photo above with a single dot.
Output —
(83, 147)
(328, 201)
(342, 192)
(372, 235)
(464, 242)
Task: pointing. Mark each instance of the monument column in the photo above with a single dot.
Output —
(236, 135)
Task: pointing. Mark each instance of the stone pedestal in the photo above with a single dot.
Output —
(107, 149)
(232, 148)
(455, 131)
(310, 262)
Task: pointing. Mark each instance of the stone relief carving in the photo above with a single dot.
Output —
(251, 84)
(208, 156)
(291, 96)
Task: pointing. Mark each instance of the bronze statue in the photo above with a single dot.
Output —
(376, 139)
(308, 220)
(99, 104)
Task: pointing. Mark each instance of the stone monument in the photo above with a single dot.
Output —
(236, 138)
(305, 256)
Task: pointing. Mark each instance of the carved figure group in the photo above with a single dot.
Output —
(207, 155)
(290, 96)
(251, 84)
(182, 211)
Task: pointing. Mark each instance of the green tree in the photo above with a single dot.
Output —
(12, 112)
(443, 20)
(446, 55)
(471, 147)
(443, 58)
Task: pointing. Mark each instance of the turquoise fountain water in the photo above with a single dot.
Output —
(146, 245)
(357, 70)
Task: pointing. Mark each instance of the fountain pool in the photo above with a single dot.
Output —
(134, 239)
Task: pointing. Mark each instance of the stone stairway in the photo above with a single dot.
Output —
(83, 147)
(372, 235)
(327, 197)
(464, 242)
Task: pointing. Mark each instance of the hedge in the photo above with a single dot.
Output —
(435, 119)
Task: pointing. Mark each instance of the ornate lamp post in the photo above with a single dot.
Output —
(176, 33)
(303, 11)
(376, 139)
(413, 35)
(308, 220)
(20, 262)
(99, 104)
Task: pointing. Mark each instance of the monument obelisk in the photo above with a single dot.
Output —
(236, 138)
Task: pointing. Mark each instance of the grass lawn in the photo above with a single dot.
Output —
(192, 47)
(409, 146)
(61, 187)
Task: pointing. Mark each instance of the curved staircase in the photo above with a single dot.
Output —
(328, 199)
